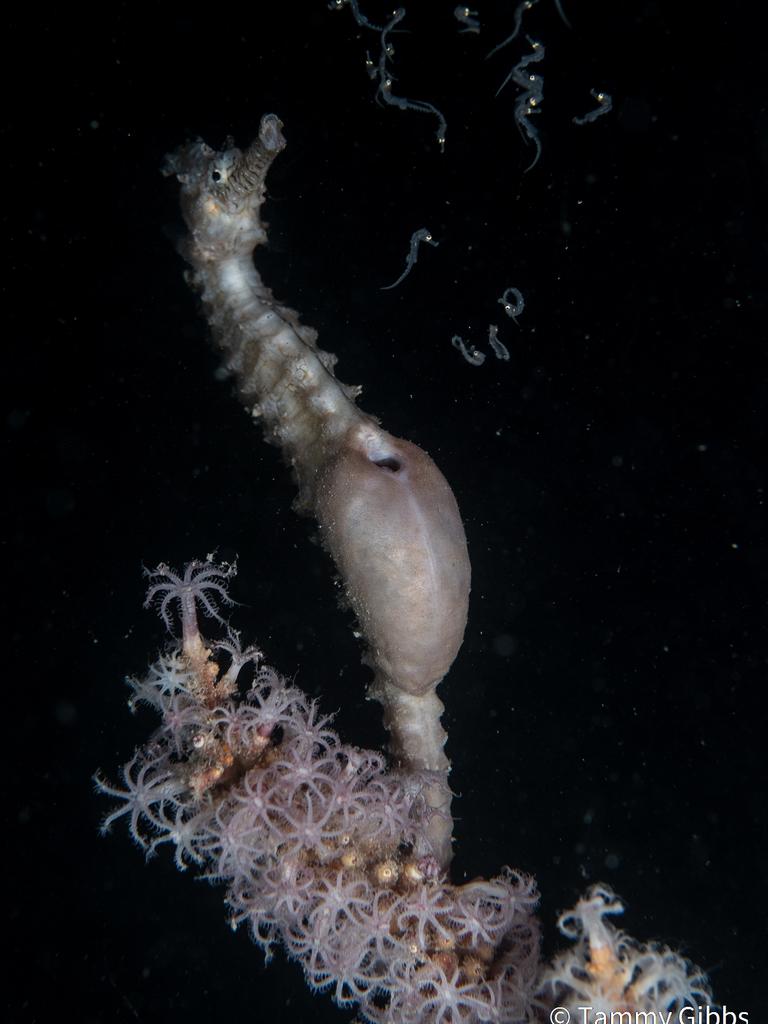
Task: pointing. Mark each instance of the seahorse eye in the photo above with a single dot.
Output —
(216, 175)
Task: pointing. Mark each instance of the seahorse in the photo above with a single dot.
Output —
(386, 514)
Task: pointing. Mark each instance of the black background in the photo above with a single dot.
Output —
(606, 714)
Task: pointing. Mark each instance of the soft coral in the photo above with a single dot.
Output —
(202, 583)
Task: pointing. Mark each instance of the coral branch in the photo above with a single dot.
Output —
(327, 853)
(322, 849)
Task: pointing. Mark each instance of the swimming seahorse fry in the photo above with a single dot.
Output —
(382, 71)
(467, 17)
(604, 106)
(468, 350)
(422, 235)
(513, 302)
(386, 513)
